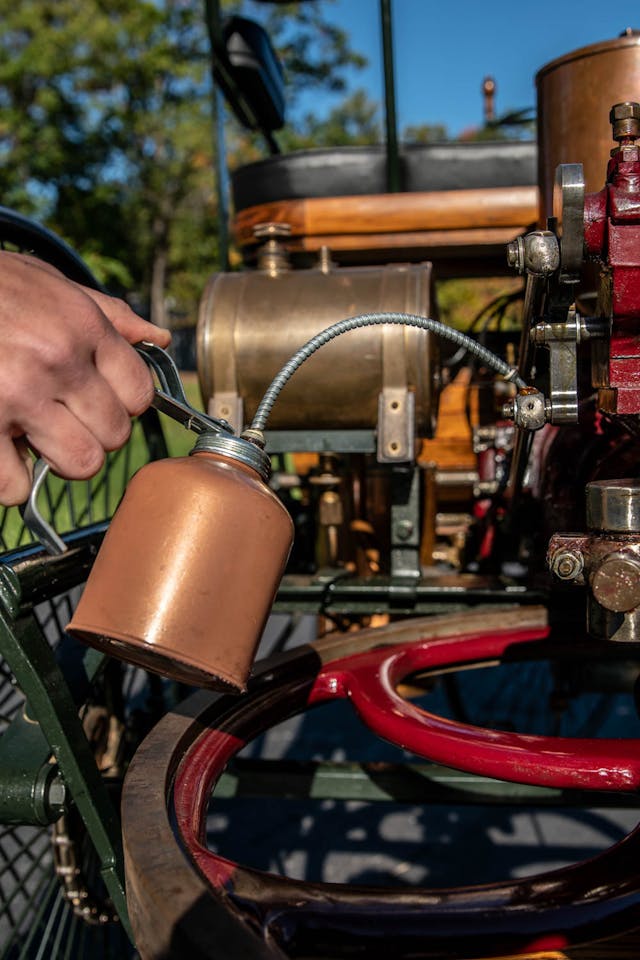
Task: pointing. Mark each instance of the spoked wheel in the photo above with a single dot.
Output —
(187, 901)
(53, 903)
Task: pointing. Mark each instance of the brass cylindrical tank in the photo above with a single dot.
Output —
(251, 323)
(575, 95)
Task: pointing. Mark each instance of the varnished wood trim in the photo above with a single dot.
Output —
(395, 213)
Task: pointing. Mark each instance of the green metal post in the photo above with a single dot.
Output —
(32, 663)
(393, 161)
(214, 28)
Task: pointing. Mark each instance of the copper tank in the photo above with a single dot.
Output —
(575, 95)
(185, 578)
(251, 323)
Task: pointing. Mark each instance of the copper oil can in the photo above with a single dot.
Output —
(185, 578)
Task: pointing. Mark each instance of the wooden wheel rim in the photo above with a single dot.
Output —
(550, 911)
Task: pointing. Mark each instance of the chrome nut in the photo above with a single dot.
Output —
(515, 254)
(530, 410)
(541, 253)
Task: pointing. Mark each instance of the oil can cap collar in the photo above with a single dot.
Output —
(237, 449)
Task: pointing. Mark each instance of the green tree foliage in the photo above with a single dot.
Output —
(425, 133)
(315, 55)
(106, 130)
(314, 52)
(354, 122)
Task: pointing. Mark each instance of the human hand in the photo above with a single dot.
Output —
(69, 380)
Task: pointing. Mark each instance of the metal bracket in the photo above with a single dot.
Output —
(562, 341)
(405, 528)
(33, 791)
(227, 406)
(396, 425)
(568, 209)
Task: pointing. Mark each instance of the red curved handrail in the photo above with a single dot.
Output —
(597, 898)
(370, 680)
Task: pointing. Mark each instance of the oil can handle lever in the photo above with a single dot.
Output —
(171, 398)
(33, 519)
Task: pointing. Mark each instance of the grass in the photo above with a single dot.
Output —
(461, 301)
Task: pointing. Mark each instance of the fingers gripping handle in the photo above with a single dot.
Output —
(170, 399)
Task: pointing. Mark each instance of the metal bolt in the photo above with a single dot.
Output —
(404, 529)
(325, 263)
(272, 229)
(330, 513)
(625, 120)
(515, 254)
(57, 794)
(508, 410)
(567, 564)
(273, 257)
(593, 328)
(540, 333)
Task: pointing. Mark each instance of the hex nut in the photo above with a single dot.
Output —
(509, 409)
(515, 254)
(626, 110)
(567, 564)
(57, 793)
(271, 229)
(541, 253)
(530, 410)
(625, 120)
(614, 506)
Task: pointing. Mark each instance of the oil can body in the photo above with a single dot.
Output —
(184, 581)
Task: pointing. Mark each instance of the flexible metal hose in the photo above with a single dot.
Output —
(372, 319)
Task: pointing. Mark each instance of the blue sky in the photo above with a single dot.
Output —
(444, 49)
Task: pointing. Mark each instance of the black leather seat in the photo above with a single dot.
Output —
(350, 171)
